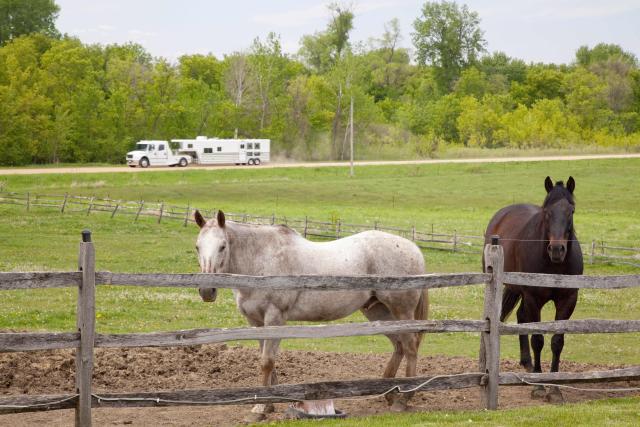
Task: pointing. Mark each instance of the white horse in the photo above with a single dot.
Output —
(265, 250)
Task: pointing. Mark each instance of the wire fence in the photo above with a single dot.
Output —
(598, 251)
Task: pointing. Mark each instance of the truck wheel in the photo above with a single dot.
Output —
(256, 162)
(183, 162)
(144, 162)
(250, 162)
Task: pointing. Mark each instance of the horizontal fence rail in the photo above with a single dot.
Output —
(488, 377)
(286, 393)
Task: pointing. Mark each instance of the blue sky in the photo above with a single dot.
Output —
(533, 30)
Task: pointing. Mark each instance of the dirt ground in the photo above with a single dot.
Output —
(219, 366)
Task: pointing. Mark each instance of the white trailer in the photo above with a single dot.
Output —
(209, 151)
(156, 153)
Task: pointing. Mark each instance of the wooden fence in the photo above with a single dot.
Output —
(599, 251)
(488, 377)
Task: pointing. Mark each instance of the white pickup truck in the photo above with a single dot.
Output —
(156, 153)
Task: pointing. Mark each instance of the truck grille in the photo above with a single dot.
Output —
(129, 156)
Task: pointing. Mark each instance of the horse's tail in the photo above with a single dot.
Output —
(422, 311)
(509, 301)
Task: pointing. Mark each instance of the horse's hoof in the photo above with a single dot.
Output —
(554, 397)
(538, 392)
(263, 408)
(254, 417)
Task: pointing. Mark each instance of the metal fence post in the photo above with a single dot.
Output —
(490, 341)
(86, 322)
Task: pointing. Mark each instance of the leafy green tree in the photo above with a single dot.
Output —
(18, 17)
(448, 37)
(322, 50)
(603, 52)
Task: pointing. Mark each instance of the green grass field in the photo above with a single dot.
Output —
(611, 412)
(451, 197)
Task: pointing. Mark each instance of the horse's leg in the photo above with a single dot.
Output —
(537, 343)
(525, 353)
(379, 311)
(269, 351)
(409, 344)
(564, 310)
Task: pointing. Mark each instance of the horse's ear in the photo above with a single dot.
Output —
(199, 219)
(220, 219)
(571, 184)
(548, 184)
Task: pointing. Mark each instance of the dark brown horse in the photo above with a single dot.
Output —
(539, 240)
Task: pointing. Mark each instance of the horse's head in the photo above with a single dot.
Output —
(213, 249)
(558, 211)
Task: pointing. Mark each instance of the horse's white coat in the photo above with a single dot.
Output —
(228, 247)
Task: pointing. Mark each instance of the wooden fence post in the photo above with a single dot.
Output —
(90, 205)
(305, 226)
(64, 202)
(186, 215)
(115, 210)
(161, 212)
(139, 210)
(413, 233)
(86, 322)
(593, 251)
(455, 241)
(28, 201)
(338, 229)
(490, 341)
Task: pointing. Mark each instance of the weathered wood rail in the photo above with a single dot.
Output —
(488, 377)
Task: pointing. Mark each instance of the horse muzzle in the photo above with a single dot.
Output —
(208, 294)
(557, 251)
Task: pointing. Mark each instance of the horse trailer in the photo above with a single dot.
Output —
(208, 151)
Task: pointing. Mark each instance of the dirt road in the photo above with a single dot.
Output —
(109, 169)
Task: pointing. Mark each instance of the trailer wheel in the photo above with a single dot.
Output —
(250, 162)
(144, 162)
(183, 162)
(256, 162)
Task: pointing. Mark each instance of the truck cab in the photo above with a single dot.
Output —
(156, 153)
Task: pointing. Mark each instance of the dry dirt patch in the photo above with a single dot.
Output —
(220, 366)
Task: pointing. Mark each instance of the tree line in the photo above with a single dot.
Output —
(65, 101)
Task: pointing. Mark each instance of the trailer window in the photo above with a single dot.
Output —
(257, 146)
(256, 153)
(208, 150)
(249, 146)
(242, 146)
(219, 149)
(161, 147)
(189, 145)
(249, 153)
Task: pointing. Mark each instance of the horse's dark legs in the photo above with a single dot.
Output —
(525, 353)
(532, 314)
(564, 310)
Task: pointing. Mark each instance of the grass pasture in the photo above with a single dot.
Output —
(458, 197)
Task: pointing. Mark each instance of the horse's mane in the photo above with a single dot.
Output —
(557, 193)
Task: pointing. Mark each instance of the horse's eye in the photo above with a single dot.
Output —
(222, 248)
